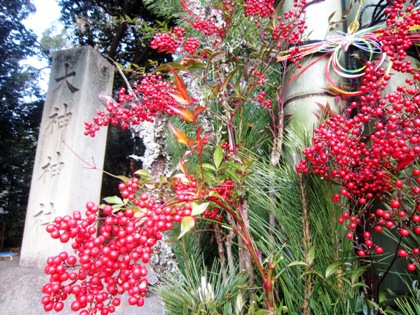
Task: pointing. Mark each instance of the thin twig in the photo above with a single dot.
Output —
(90, 166)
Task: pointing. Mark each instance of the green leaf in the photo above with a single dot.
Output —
(208, 166)
(163, 179)
(356, 273)
(237, 87)
(233, 176)
(297, 263)
(228, 78)
(123, 178)
(313, 272)
(345, 281)
(187, 224)
(143, 173)
(116, 208)
(199, 209)
(359, 284)
(249, 164)
(331, 269)
(193, 64)
(382, 296)
(166, 67)
(331, 16)
(209, 176)
(232, 165)
(114, 200)
(311, 256)
(218, 156)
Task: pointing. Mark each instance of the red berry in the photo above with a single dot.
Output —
(402, 253)
(58, 306)
(395, 204)
(398, 183)
(415, 218)
(361, 253)
(379, 250)
(404, 232)
(411, 267)
(49, 306)
(75, 306)
(352, 225)
(389, 224)
(369, 243)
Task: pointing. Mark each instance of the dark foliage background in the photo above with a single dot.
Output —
(20, 114)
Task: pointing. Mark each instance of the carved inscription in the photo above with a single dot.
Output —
(65, 78)
(45, 215)
(52, 167)
(59, 119)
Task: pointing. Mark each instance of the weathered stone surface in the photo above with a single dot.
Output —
(61, 181)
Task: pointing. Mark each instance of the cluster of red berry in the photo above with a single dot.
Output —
(399, 217)
(225, 189)
(185, 189)
(263, 102)
(394, 40)
(165, 43)
(190, 45)
(366, 152)
(107, 264)
(170, 42)
(228, 150)
(261, 8)
(151, 96)
(289, 28)
(208, 28)
(362, 161)
(213, 214)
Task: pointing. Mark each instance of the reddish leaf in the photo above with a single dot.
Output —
(198, 110)
(287, 117)
(326, 109)
(182, 166)
(179, 135)
(178, 97)
(182, 112)
(181, 88)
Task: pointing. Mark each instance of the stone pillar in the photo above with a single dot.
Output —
(61, 181)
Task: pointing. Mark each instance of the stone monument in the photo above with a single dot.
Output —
(61, 181)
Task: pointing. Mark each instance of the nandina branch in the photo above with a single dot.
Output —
(248, 243)
(91, 166)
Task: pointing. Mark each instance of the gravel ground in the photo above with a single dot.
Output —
(20, 293)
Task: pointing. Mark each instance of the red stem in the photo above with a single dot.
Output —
(248, 243)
